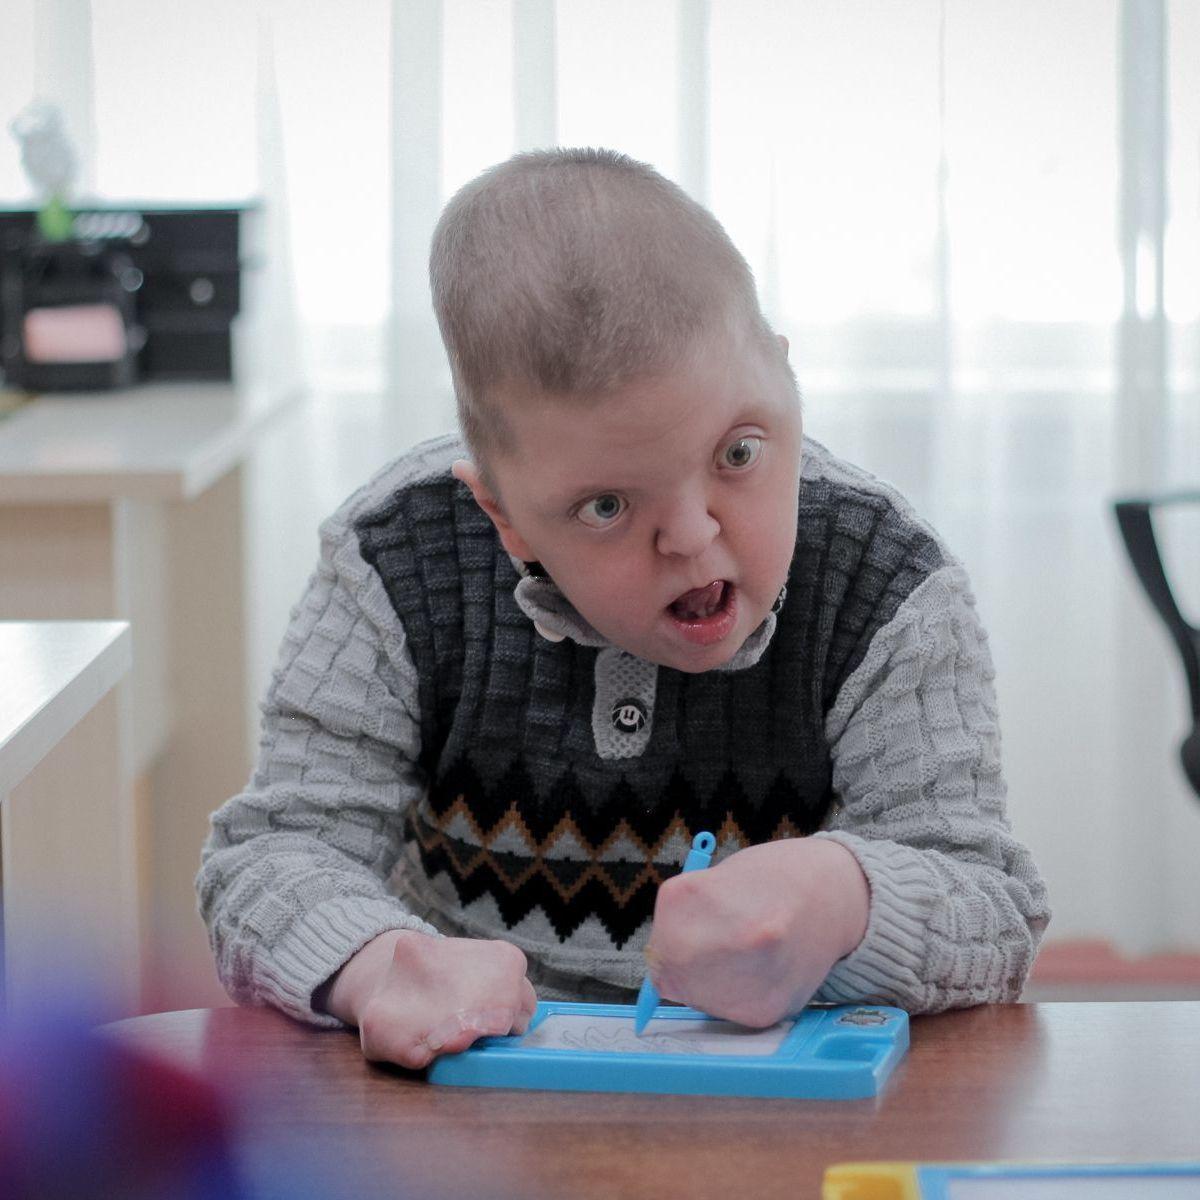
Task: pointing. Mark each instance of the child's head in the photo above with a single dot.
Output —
(634, 423)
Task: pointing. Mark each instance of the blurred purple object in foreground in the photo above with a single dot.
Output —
(83, 1116)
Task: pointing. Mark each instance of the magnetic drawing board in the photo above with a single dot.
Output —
(843, 1052)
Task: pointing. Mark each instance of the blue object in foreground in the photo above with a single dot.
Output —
(699, 856)
(1012, 1181)
(828, 1053)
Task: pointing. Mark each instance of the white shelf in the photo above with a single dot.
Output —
(157, 441)
(54, 673)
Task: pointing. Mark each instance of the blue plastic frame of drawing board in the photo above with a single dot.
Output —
(936, 1182)
(844, 1052)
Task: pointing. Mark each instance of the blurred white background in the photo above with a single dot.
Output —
(978, 221)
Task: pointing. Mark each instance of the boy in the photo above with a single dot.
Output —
(636, 604)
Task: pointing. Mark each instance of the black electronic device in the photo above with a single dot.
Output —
(68, 316)
(188, 265)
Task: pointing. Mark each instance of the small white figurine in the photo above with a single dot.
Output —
(49, 161)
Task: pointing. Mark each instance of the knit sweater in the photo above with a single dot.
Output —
(448, 746)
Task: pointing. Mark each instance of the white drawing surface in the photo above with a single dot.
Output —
(561, 1031)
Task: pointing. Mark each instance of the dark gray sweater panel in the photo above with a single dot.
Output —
(506, 715)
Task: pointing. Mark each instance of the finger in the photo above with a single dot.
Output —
(386, 1035)
(529, 1000)
(655, 971)
(403, 1051)
(667, 987)
(652, 955)
(462, 1028)
(526, 1008)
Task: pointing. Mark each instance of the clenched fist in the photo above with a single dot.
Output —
(752, 938)
(414, 997)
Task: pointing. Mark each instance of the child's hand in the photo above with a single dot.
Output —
(414, 997)
(752, 938)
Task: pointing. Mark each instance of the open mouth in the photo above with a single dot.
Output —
(705, 615)
(700, 603)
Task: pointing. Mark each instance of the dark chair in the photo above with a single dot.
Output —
(1134, 521)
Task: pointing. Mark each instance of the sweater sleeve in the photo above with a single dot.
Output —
(292, 876)
(957, 905)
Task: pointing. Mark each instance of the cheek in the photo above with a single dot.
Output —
(783, 506)
(601, 583)
(766, 533)
(619, 585)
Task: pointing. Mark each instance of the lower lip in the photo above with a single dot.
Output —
(706, 631)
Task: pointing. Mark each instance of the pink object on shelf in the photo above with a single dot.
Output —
(74, 333)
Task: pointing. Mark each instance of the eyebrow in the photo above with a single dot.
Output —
(754, 412)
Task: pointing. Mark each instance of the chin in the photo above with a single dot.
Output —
(708, 660)
(697, 669)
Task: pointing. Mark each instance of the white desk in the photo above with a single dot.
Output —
(66, 868)
(128, 505)
(155, 442)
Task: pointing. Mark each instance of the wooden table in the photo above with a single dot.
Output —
(1083, 1082)
(65, 870)
(129, 505)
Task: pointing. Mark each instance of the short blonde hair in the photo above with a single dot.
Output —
(573, 272)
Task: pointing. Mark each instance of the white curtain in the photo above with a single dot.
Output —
(978, 221)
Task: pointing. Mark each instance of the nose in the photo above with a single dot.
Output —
(687, 529)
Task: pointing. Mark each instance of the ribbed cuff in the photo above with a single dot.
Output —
(886, 967)
(323, 942)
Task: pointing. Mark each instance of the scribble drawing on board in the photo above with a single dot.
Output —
(663, 1036)
(592, 1037)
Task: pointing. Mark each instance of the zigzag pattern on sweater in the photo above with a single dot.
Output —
(573, 861)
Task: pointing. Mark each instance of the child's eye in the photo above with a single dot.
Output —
(742, 453)
(602, 510)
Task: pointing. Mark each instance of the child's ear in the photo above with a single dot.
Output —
(784, 343)
(467, 472)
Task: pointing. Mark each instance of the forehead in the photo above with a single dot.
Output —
(650, 424)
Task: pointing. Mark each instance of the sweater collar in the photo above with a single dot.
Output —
(555, 618)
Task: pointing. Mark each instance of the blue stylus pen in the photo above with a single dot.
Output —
(700, 855)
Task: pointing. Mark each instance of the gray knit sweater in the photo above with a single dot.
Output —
(371, 809)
